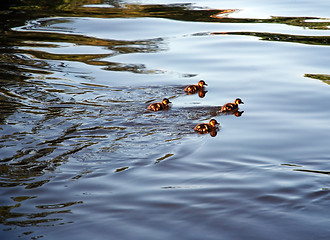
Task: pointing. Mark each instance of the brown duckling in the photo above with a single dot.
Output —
(191, 89)
(160, 105)
(228, 107)
(210, 127)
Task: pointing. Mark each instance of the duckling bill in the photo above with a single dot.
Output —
(228, 107)
(159, 105)
(210, 127)
(191, 89)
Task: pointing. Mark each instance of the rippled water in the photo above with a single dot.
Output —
(83, 158)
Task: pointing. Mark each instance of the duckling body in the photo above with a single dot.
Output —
(229, 107)
(207, 127)
(159, 106)
(191, 89)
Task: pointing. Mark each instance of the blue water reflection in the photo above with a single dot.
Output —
(82, 155)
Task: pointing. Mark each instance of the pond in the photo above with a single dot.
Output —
(81, 156)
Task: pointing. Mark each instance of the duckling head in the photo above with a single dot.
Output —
(238, 101)
(201, 83)
(166, 101)
(214, 123)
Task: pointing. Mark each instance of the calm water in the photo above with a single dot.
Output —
(82, 158)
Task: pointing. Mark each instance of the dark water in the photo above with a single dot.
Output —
(82, 158)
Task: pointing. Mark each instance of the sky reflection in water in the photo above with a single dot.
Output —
(77, 139)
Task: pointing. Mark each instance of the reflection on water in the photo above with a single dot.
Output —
(317, 40)
(77, 139)
(323, 77)
(31, 41)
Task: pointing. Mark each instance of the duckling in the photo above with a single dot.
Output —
(160, 105)
(210, 127)
(231, 106)
(191, 89)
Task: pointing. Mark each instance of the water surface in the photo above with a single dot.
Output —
(82, 156)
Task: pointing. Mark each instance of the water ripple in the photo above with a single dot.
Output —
(77, 139)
